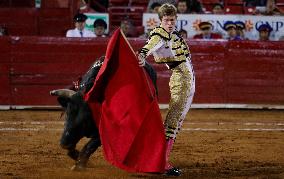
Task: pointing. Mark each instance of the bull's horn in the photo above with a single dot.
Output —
(62, 92)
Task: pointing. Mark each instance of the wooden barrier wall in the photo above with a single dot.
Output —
(247, 72)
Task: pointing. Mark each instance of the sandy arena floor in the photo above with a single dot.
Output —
(213, 144)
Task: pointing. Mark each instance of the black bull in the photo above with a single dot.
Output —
(79, 122)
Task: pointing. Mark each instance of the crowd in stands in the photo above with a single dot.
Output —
(263, 7)
(234, 30)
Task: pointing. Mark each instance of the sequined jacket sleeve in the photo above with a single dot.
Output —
(152, 44)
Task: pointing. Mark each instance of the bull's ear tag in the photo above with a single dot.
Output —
(63, 101)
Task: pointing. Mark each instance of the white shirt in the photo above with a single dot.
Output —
(76, 33)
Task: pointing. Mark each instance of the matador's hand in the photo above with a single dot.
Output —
(141, 59)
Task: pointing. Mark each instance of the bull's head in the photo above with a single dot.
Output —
(77, 112)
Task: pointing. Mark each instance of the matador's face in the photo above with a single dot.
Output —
(168, 23)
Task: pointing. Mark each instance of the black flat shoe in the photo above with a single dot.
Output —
(173, 172)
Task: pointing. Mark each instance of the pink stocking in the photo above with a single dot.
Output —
(169, 143)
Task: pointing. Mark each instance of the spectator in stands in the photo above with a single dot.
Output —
(218, 8)
(182, 7)
(183, 33)
(100, 27)
(241, 26)
(231, 29)
(272, 9)
(264, 32)
(80, 31)
(3, 31)
(206, 31)
(195, 7)
(155, 7)
(127, 28)
(160, 2)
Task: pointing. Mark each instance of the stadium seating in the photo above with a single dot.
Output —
(234, 10)
(50, 24)
(17, 3)
(141, 3)
(234, 7)
(19, 21)
(113, 3)
(55, 3)
(249, 10)
(208, 4)
(280, 4)
(116, 14)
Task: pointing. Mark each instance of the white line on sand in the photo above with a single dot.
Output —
(189, 123)
(43, 126)
(30, 122)
(237, 123)
(239, 129)
(28, 129)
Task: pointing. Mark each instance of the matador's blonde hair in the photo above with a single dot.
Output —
(167, 10)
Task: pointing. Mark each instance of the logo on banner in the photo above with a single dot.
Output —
(195, 24)
(249, 25)
(152, 23)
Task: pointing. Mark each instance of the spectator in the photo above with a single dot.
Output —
(100, 27)
(80, 31)
(194, 7)
(155, 7)
(183, 33)
(218, 8)
(3, 31)
(230, 27)
(182, 7)
(160, 2)
(240, 29)
(206, 31)
(127, 28)
(264, 32)
(272, 9)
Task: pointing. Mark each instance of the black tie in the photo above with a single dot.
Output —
(81, 33)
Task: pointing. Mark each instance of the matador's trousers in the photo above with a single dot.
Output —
(182, 88)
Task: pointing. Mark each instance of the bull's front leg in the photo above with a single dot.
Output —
(73, 153)
(86, 152)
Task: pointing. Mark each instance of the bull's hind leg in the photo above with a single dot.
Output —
(86, 152)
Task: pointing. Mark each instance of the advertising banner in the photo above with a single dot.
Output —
(189, 22)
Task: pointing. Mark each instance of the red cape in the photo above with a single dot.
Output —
(123, 99)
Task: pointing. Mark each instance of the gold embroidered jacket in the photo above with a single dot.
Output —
(165, 47)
